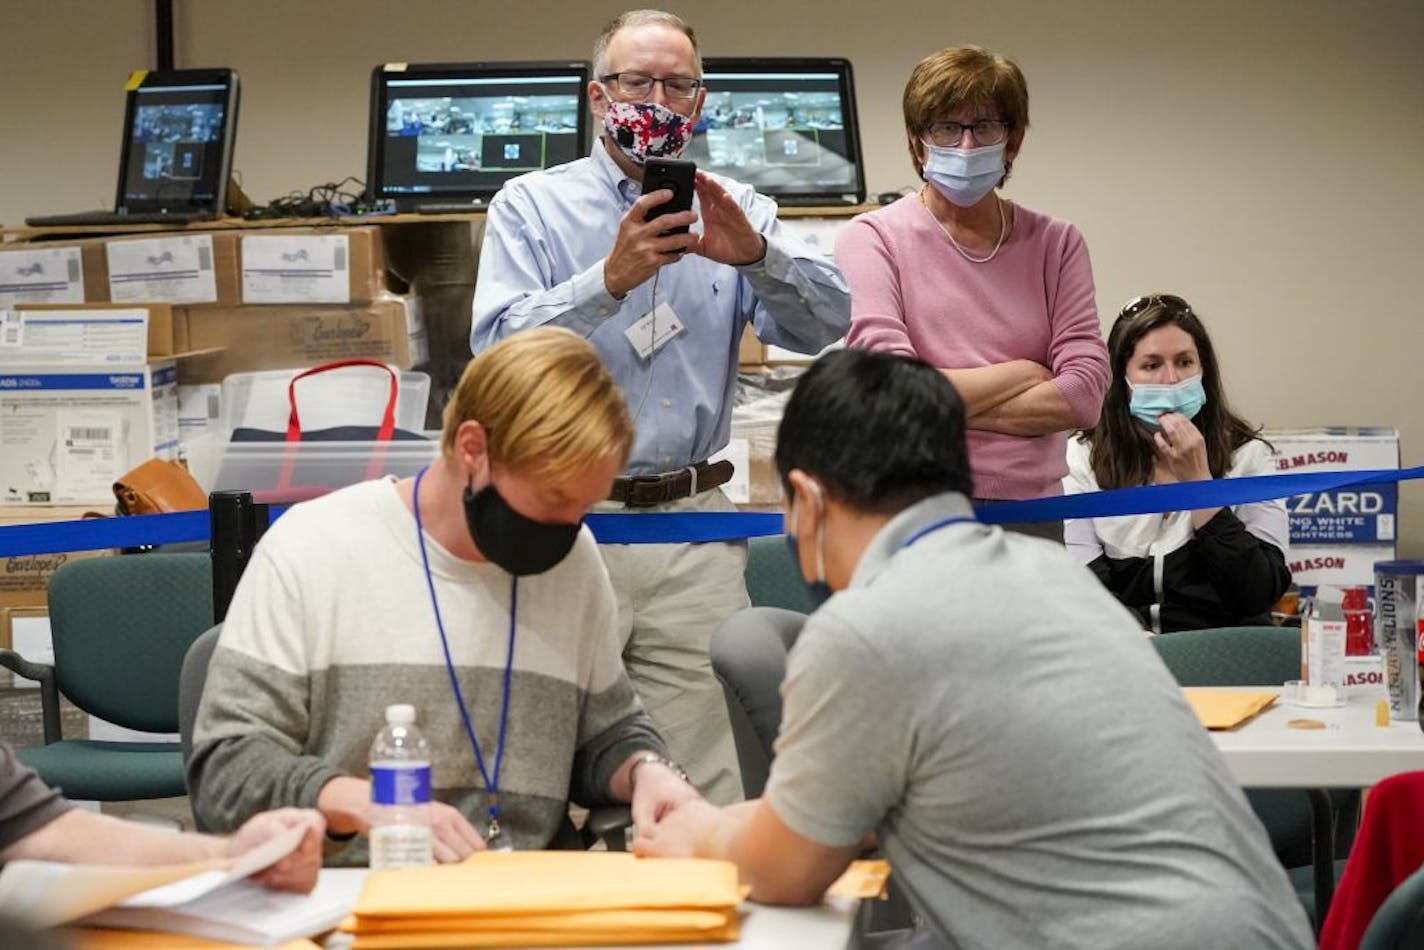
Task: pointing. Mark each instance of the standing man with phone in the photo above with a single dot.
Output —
(574, 247)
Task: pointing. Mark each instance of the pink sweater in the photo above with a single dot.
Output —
(912, 293)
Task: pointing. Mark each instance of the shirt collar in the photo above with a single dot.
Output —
(626, 188)
(892, 537)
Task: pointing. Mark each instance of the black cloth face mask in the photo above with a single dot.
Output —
(519, 544)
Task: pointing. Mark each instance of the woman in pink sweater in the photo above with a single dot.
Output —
(998, 297)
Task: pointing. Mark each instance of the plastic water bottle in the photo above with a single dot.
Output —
(1325, 630)
(400, 793)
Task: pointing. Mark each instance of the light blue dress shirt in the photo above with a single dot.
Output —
(546, 238)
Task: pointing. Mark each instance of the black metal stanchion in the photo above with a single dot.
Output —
(233, 522)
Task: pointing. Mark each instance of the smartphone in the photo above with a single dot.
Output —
(677, 176)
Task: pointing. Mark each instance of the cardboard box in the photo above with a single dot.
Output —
(199, 408)
(167, 325)
(8, 617)
(24, 578)
(42, 273)
(192, 269)
(1340, 565)
(1364, 514)
(67, 432)
(282, 337)
(326, 265)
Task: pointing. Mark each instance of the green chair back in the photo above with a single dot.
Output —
(1399, 922)
(773, 579)
(121, 626)
(1232, 656)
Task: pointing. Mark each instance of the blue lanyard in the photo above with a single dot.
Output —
(491, 782)
(932, 528)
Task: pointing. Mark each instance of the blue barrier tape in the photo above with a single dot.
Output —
(1185, 496)
(95, 533)
(701, 526)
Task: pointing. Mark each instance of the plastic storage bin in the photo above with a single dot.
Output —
(313, 468)
(355, 395)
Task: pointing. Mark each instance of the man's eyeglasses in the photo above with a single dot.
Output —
(1138, 304)
(946, 134)
(637, 85)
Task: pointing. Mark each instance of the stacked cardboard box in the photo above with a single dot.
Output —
(245, 300)
(86, 393)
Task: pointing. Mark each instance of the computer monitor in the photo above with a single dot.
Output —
(450, 134)
(786, 126)
(179, 131)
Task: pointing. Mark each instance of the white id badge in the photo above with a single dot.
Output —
(654, 330)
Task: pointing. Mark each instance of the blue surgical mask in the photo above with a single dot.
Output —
(819, 590)
(965, 175)
(1151, 400)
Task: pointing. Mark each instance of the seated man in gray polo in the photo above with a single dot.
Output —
(980, 704)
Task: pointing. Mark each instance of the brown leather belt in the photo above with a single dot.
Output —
(645, 491)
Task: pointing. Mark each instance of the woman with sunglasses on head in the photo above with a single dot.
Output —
(1166, 419)
(998, 297)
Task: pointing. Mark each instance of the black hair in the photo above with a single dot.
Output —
(879, 432)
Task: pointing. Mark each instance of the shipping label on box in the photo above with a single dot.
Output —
(304, 268)
(66, 435)
(1361, 514)
(199, 408)
(167, 269)
(42, 275)
(74, 337)
(739, 489)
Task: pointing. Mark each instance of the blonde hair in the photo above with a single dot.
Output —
(960, 76)
(636, 18)
(548, 405)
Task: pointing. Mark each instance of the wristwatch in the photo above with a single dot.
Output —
(659, 758)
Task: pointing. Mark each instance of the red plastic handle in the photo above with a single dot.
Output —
(388, 420)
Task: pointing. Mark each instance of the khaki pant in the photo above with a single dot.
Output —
(670, 599)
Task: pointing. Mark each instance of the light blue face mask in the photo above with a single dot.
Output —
(964, 175)
(1151, 400)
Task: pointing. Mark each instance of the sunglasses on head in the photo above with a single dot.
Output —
(1138, 304)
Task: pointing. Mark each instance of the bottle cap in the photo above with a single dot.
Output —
(400, 714)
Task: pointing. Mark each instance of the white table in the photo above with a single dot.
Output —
(827, 925)
(1350, 752)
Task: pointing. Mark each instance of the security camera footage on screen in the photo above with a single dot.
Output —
(780, 132)
(177, 144)
(457, 135)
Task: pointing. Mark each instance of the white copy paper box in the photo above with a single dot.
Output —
(42, 275)
(300, 268)
(69, 432)
(167, 269)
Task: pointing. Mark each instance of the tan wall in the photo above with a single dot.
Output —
(1264, 159)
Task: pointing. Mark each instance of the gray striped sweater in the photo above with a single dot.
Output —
(332, 622)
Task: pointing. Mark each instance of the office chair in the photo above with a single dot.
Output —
(121, 626)
(773, 581)
(1399, 923)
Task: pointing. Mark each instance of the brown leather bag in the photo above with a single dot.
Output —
(158, 486)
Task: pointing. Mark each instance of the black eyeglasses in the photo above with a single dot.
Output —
(947, 134)
(1138, 304)
(636, 85)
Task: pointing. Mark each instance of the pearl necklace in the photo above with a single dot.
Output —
(1003, 231)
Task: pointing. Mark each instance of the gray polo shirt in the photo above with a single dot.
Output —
(1032, 770)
